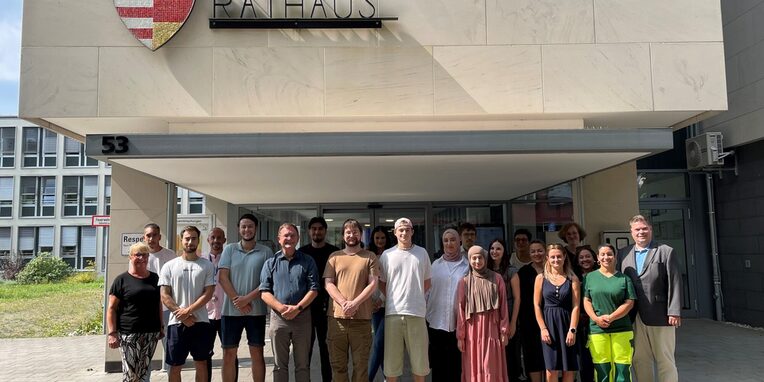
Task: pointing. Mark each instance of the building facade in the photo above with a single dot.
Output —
(739, 189)
(50, 191)
(507, 114)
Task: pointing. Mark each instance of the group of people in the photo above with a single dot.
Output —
(467, 316)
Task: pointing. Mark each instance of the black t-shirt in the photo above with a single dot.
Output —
(138, 310)
(320, 256)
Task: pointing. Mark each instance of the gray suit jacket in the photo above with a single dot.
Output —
(658, 284)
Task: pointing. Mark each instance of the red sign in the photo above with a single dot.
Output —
(100, 220)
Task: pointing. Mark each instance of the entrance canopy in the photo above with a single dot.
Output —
(376, 166)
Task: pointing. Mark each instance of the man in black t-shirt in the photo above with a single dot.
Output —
(320, 250)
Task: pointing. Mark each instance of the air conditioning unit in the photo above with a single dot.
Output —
(704, 150)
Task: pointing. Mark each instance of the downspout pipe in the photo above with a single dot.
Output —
(718, 298)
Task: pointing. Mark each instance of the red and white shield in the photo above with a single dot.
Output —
(154, 22)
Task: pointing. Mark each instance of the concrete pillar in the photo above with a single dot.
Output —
(136, 199)
(609, 200)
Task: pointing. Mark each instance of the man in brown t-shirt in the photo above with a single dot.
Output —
(351, 278)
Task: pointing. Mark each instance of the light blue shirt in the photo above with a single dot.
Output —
(640, 255)
(244, 273)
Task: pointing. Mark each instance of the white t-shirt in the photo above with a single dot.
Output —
(446, 276)
(188, 280)
(404, 273)
(159, 259)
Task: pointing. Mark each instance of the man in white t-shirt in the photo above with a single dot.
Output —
(187, 284)
(405, 278)
(158, 255)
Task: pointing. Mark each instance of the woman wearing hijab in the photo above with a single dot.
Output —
(447, 272)
(482, 327)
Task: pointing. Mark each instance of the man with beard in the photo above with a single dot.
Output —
(289, 284)
(187, 283)
(239, 275)
(216, 239)
(351, 279)
(158, 257)
(319, 250)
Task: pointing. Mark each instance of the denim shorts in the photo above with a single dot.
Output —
(232, 327)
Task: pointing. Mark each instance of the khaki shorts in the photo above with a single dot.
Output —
(409, 332)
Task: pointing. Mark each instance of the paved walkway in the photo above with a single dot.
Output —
(706, 351)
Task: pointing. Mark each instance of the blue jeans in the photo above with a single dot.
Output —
(378, 343)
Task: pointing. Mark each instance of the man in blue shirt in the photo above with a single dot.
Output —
(289, 283)
(657, 278)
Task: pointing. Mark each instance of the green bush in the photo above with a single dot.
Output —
(43, 269)
(83, 277)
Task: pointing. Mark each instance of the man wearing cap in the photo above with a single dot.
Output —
(405, 278)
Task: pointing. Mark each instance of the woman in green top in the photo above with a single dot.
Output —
(608, 297)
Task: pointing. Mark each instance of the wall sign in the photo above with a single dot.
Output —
(129, 239)
(287, 14)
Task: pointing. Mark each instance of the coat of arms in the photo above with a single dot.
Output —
(154, 22)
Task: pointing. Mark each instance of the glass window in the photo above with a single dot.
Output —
(488, 220)
(107, 194)
(75, 154)
(80, 195)
(7, 146)
(6, 196)
(5, 241)
(39, 147)
(78, 246)
(195, 202)
(35, 240)
(662, 185)
(38, 195)
(271, 218)
(544, 212)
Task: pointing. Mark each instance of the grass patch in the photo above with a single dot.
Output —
(50, 310)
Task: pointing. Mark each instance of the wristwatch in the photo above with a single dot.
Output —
(299, 307)
(573, 330)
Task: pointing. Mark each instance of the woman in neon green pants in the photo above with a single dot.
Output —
(608, 297)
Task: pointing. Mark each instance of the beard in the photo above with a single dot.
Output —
(351, 242)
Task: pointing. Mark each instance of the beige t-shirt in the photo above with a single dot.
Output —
(351, 275)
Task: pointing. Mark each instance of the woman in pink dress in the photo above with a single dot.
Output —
(482, 323)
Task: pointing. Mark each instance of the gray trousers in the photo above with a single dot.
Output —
(297, 333)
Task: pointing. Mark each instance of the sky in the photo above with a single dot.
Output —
(10, 56)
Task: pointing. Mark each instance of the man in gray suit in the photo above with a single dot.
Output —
(657, 280)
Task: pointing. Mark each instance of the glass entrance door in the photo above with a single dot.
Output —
(671, 227)
(371, 218)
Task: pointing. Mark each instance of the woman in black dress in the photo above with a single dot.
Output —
(533, 358)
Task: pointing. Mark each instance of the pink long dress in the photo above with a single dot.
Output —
(483, 359)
